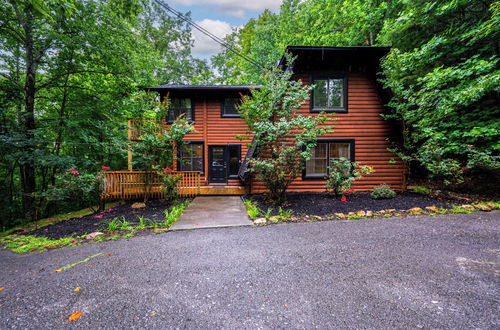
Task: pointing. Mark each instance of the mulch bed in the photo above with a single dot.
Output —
(321, 204)
(98, 221)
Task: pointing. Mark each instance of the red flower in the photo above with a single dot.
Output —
(104, 167)
(168, 169)
(343, 199)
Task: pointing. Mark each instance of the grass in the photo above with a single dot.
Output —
(26, 244)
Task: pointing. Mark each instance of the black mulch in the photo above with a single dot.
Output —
(98, 221)
(324, 204)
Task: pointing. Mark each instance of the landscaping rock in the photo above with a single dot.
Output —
(361, 213)
(483, 207)
(340, 215)
(138, 205)
(369, 213)
(390, 210)
(468, 207)
(415, 210)
(432, 208)
(492, 205)
(93, 235)
(259, 221)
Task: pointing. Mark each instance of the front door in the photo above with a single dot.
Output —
(217, 167)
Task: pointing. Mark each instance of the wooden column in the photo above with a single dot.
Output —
(205, 139)
(129, 131)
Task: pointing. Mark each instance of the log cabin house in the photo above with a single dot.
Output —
(346, 88)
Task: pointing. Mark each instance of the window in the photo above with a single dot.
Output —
(178, 107)
(228, 107)
(329, 94)
(234, 155)
(191, 157)
(316, 167)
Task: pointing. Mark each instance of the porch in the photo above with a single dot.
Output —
(136, 184)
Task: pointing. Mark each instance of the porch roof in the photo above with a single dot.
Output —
(222, 88)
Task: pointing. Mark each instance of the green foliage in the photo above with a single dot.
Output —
(115, 224)
(383, 192)
(443, 72)
(342, 173)
(267, 214)
(75, 187)
(284, 214)
(252, 209)
(26, 244)
(285, 142)
(421, 190)
(170, 182)
(66, 66)
(174, 213)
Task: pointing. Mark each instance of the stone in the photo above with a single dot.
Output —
(340, 215)
(259, 221)
(361, 213)
(138, 205)
(432, 208)
(415, 210)
(390, 210)
(351, 213)
(468, 207)
(492, 205)
(369, 213)
(483, 207)
(93, 235)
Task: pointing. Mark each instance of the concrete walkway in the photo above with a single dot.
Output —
(212, 212)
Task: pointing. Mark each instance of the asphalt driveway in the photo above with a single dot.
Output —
(419, 272)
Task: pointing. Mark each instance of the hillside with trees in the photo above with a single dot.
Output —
(71, 71)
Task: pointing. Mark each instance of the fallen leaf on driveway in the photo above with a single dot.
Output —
(74, 316)
(77, 289)
(109, 254)
(152, 314)
(2, 288)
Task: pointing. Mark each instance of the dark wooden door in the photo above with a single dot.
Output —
(217, 166)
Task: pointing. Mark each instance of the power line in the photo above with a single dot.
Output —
(208, 33)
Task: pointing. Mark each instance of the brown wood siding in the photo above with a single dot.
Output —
(370, 131)
(213, 129)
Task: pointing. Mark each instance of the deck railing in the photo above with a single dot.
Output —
(136, 184)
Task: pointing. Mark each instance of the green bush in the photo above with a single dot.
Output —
(342, 173)
(383, 192)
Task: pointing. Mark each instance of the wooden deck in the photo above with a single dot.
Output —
(136, 184)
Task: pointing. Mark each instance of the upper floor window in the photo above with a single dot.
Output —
(178, 107)
(317, 165)
(329, 94)
(228, 107)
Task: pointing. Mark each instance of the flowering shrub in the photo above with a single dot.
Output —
(75, 187)
(170, 182)
(342, 173)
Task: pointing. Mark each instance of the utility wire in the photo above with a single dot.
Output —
(207, 33)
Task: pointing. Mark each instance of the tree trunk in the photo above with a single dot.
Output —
(28, 177)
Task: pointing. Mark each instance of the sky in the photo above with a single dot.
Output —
(219, 17)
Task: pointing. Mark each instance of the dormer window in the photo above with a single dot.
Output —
(178, 107)
(329, 94)
(228, 107)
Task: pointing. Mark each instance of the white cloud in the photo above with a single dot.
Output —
(236, 8)
(204, 46)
